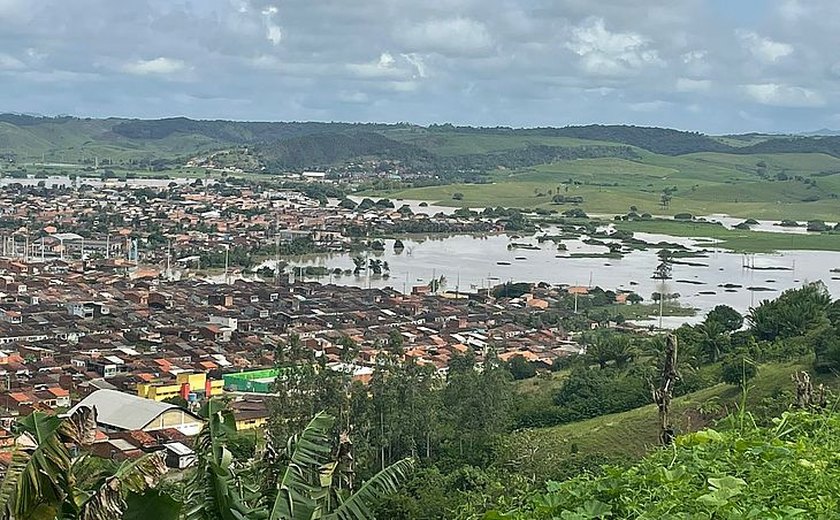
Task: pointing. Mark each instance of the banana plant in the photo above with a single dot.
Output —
(215, 490)
(308, 491)
(307, 485)
(45, 481)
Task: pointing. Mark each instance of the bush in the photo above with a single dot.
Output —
(785, 471)
(738, 370)
(458, 196)
(520, 368)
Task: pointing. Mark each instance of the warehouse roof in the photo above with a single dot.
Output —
(123, 411)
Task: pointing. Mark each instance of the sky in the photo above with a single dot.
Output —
(716, 66)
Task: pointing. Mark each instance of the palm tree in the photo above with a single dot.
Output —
(713, 339)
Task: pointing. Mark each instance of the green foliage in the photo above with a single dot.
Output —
(520, 368)
(589, 393)
(728, 318)
(50, 482)
(738, 370)
(792, 314)
(785, 471)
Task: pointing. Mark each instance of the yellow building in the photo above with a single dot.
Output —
(250, 423)
(196, 380)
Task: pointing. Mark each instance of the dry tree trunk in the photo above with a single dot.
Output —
(662, 396)
(805, 398)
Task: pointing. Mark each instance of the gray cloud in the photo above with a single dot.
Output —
(698, 64)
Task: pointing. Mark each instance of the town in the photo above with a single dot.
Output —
(144, 302)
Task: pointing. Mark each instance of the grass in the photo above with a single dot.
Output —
(707, 183)
(634, 433)
(737, 240)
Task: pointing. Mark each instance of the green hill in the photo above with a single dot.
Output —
(612, 167)
(632, 434)
(785, 470)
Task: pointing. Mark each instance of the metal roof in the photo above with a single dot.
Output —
(123, 411)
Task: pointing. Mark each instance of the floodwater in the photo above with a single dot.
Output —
(470, 262)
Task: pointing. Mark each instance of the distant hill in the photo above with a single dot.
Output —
(299, 145)
(822, 131)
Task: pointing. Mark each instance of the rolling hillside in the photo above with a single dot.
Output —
(611, 167)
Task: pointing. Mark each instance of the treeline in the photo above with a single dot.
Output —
(327, 149)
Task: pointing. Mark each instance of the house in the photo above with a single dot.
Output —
(178, 455)
(118, 411)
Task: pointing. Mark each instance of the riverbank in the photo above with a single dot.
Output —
(739, 241)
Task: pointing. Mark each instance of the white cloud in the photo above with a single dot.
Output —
(764, 49)
(8, 62)
(383, 68)
(273, 32)
(401, 69)
(792, 10)
(606, 53)
(692, 85)
(353, 97)
(453, 37)
(778, 95)
(417, 61)
(162, 66)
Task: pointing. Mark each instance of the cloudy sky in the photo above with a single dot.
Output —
(709, 65)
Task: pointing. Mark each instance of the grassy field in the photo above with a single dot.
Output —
(454, 144)
(633, 433)
(737, 240)
(706, 183)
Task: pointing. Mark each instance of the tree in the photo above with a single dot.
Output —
(177, 400)
(727, 317)
(738, 370)
(457, 196)
(663, 394)
(395, 342)
(605, 346)
(792, 314)
(347, 204)
(663, 268)
(714, 340)
(520, 368)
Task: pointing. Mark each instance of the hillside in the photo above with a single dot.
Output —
(310, 144)
(632, 434)
(787, 470)
(611, 167)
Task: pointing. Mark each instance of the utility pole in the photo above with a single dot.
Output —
(661, 304)
(227, 260)
(276, 256)
(169, 259)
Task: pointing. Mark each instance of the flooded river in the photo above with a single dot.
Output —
(470, 262)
